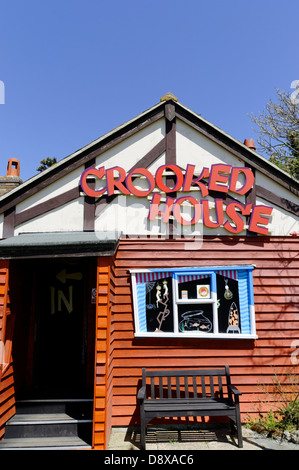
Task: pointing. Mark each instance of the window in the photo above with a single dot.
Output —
(194, 302)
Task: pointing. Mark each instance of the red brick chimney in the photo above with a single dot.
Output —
(250, 143)
(12, 178)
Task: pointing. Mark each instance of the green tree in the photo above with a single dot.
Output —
(278, 130)
(46, 163)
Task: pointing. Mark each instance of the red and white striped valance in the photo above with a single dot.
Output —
(155, 276)
(192, 277)
(149, 276)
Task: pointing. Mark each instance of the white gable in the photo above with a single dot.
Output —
(129, 214)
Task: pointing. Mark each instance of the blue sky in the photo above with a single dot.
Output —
(74, 70)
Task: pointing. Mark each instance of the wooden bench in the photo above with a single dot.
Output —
(175, 393)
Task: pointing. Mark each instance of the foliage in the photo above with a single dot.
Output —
(46, 163)
(278, 129)
(283, 399)
(266, 423)
(290, 414)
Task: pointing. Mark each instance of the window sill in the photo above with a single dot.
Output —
(196, 335)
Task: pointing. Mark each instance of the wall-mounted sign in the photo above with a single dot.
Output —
(94, 295)
(221, 178)
(203, 291)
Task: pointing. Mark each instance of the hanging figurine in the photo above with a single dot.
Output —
(163, 314)
(165, 293)
(227, 293)
(158, 295)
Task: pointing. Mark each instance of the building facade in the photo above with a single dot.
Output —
(164, 244)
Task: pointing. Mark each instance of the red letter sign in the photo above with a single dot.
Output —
(215, 178)
(206, 213)
(154, 208)
(111, 182)
(139, 192)
(160, 183)
(177, 210)
(99, 173)
(256, 218)
(249, 180)
(236, 218)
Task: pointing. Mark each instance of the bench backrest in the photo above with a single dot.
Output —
(191, 384)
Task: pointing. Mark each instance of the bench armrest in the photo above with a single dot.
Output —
(234, 390)
(141, 393)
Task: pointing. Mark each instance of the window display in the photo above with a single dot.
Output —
(206, 302)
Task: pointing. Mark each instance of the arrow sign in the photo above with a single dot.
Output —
(63, 276)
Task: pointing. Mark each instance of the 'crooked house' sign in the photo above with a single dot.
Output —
(220, 178)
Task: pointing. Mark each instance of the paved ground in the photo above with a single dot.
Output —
(171, 438)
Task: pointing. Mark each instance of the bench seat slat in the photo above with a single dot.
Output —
(186, 405)
(186, 401)
(178, 406)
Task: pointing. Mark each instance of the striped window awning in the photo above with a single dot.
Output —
(229, 273)
(155, 276)
(192, 277)
(151, 276)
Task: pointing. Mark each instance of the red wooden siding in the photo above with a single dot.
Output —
(276, 291)
(7, 398)
(102, 383)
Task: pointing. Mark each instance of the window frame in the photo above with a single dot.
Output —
(199, 270)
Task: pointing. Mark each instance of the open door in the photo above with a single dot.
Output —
(60, 316)
(54, 337)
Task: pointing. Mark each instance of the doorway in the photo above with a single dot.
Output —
(53, 347)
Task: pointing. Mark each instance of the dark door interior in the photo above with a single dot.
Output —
(59, 360)
(58, 316)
